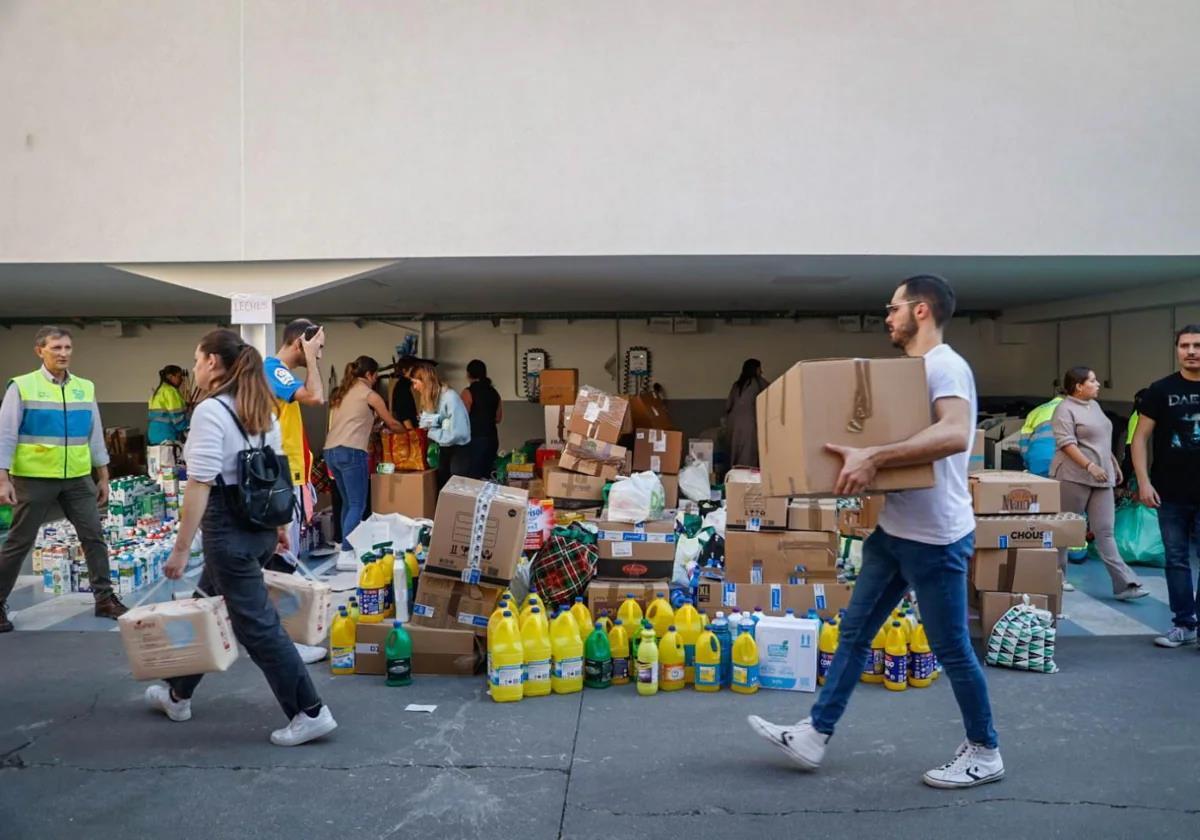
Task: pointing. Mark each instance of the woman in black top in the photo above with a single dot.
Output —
(487, 411)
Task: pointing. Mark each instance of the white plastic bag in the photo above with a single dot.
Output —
(693, 481)
(401, 531)
(636, 499)
(687, 554)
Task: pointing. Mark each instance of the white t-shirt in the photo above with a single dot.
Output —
(942, 514)
(214, 442)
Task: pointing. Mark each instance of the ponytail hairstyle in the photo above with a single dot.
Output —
(356, 370)
(431, 387)
(169, 370)
(243, 378)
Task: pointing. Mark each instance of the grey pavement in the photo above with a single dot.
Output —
(1104, 749)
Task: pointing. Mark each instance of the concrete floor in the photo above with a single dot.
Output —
(1103, 749)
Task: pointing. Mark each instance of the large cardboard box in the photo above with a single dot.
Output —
(1055, 530)
(453, 605)
(745, 504)
(452, 652)
(561, 484)
(996, 570)
(478, 532)
(413, 494)
(648, 411)
(558, 386)
(976, 463)
(658, 451)
(178, 638)
(558, 418)
(780, 556)
(993, 605)
(592, 457)
(304, 605)
(773, 598)
(641, 552)
(670, 485)
(812, 515)
(1004, 491)
(608, 595)
(852, 402)
(598, 415)
(787, 653)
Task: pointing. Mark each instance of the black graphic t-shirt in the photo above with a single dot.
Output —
(1173, 404)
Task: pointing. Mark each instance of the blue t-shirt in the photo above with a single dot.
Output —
(283, 384)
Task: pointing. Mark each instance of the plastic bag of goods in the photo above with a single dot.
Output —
(693, 480)
(1023, 639)
(178, 638)
(636, 499)
(304, 605)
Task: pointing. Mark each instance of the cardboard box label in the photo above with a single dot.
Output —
(478, 532)
(1007, 492)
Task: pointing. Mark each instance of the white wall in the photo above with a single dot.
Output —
(268, 129)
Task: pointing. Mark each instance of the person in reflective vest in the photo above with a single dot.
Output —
(51, 439)
(168, 422)
(1037, 438)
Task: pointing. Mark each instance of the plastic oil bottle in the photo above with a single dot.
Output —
(671, 660)
(535, 645)
(689, 625)
(827, 646)
(630, 613)
(873, 670)
(647, 663)
(398, 654)
(597, 659)
(744, 678)
(725, 636)
(341, 643)
(566, 673)
(618, 645)
(708, 661)
(895, 659)
(508, 660)
(920, 660)
(583, 619)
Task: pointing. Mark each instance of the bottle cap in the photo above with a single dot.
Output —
(578, 599)
(507, 614)
(618, 621)
(671, 628)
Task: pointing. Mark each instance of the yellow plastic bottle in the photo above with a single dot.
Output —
(352, 608)
(507, 595)
(537, 613)
(371, 598)
(661, 615)
(708, 661)
(508, 660)
(920, 660)
(341, 643)
(493, 620)
(571, 621)
(647, 664)
(873, 670)
(531, 600)
(827, 645)
(618, 642)
(687, 619)
(671, 661)
(535, 641)
(566, 671)
(745, 665)
(605, 622)
(529, 596)
(895, 659)
(387, 566)
(583, 618)
(630, 613)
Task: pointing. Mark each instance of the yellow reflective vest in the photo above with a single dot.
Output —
(56, 427)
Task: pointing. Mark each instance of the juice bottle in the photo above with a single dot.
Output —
(508, 660)
(630, 613)
(647, 663)
(671, 661)
(895, 659)
(920, 660)
(618, 645)
(341, 643)
(826, 647)
(566, 672)
(687, 619)
(873, 670)
(605, 621)
(535, 643)
(597, 659)
(398, 651)
(583, 619)
(745, 664)
(708, 661)
(660, 615)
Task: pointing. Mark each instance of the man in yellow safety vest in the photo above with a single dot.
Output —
(1037, 438)
(51, 438)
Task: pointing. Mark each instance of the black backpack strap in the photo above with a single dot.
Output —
(262, 438)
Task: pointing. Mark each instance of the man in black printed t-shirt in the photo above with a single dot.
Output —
(1170, 423)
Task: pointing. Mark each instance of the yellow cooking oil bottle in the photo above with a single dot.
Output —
(341, 643)
(873, 670)
(618, 643)
(920, 660)
(895, 659)
(566, 668)
(508, 660)
(745, 664)
(690, 626)
(535, 643)
(661, 615)
(827, 645)
(671, 661)
(647, 663)
(708, 661)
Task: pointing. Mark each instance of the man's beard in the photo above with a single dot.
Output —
(902, 334)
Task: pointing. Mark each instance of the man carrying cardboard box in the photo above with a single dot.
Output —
(924, 541)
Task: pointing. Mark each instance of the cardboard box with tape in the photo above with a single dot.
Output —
(558, 418)
(812, 515)
(453, 605)
(993, 606)
(852, 402)
(648, 411)
(478, 532)
(780, 556)
(1056, 530)
(995, 569)
(608, 595)
(746, 506)
(413, 494)
(434, 651)
(658, 451)
(178, 638)
(773, 599)
(562, 484)
(592, 457)
(642, 552)
(599, 416)
(1005, 491)
(558, 386)
(304, 605)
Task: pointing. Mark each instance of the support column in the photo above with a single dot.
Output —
(254, 316)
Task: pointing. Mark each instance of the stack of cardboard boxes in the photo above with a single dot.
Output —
(586, 433)
(411, 493)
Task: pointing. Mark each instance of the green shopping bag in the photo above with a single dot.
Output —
(1138, 539)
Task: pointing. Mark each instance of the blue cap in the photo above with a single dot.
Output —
(399, 623)
(578, 599)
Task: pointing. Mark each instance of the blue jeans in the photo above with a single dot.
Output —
(349, 468)
(1180, 527)
(938, 574)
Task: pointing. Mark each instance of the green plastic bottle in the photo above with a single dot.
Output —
(597, 659)
(398, 651)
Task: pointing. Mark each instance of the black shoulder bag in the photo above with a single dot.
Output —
(263, 497)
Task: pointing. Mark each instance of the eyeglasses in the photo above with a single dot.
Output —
(891, 308)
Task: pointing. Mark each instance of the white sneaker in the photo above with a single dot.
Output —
(1132, 592)
(972, 765)
(1176, 637)
(310, 653)
(1068, 586)
(802, 744)
(303, 729)
(159, 697)
(346, 562)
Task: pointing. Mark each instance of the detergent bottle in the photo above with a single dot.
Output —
(735, 622)
(647, 663)
(745, 664)
(583, 619)
(386, 570)
(671, 660)
(827, 645)
(494, 619)
(725, 637)
(401, 586)
(398, 653)
(370, 591)
(630, 613)
(581, 632)
(618, 646)
(708, 661)
(873, 669)
(749, 625)
(605, 621)
(597, 659)
(507, 595)
(920, 660)
(895, 659)
(508, 660)
(688, 622)
(537, 615)
(566, 673)
(341, 643)
(529, 596)
(661, 615)
(535, 645)
(352, 608)
(531, 600)
(414, 570)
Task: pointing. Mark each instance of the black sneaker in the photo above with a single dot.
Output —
(6, 626)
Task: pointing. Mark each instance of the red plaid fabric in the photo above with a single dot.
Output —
(564, 566)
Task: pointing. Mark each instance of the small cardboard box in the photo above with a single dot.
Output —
(558, 386)
(993, 606)
(608, 595)
(1003, 491)
(1055, 530)
(442, 603)
(592, 457)
(658, 451)
(670, 485)
(561, 484)
(452, 652)
(853, 522)
(558, 418)
(976, 463)
(370, 642)
(304, 605)
(598, 415)
(642, 552)
(413, 494)
(995, 569)
(484, 551)
(773, 598)
(178, 638)
(787, 653)
(746, 506)
(648, 411)
(812, 515)
(780, 556)
(852, 402)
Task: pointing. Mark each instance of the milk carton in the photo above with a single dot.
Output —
(787, 653)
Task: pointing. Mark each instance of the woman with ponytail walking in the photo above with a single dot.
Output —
(236, 414)
(167, 408)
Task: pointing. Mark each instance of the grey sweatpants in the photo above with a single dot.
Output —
(1098, 505)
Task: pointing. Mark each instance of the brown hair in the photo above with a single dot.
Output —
(432, 385)
(297, 329)
(48, 332)
(360, 367)
(243, 379)
(1075, 377)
